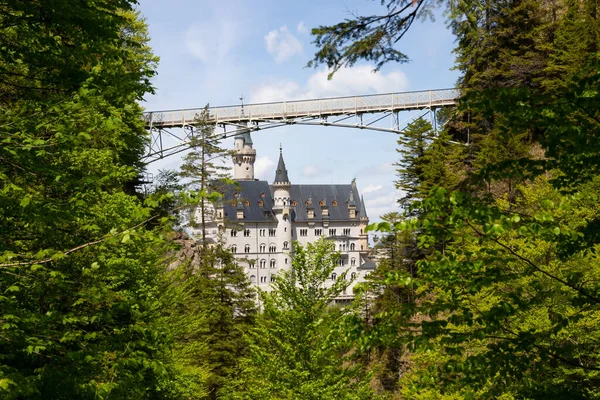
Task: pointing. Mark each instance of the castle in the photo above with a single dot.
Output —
(259, 221)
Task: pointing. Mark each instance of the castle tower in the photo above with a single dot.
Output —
(244, 157)
(282, 210)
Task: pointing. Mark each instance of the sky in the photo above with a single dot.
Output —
(218, 51)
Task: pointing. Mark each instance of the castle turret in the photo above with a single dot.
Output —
(282, 210)
(244, 157)
(364, 221)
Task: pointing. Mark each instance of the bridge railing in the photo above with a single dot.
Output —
(307, 108)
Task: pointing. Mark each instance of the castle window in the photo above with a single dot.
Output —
(333, 276)
(318, 232)
(261, 203)
(233, 233)
(247, 203)
(272, 231)
(272, 278)
(262, 232)
(247, 248)
(353, 263)
(361, 232)
(303, 232)
(352, 247)
(286, 260)
(341, 262)
(263, 263)
(253, 278)
(285, 245)
(263, 279)
(263, 247)
(272, 248)
(234, 249)
(346, 231)
(353, 275)
(334, 203)
(272, 263)
(294, 203)
(252, 264)
(322, 203)
(332, 232)
(246, 232)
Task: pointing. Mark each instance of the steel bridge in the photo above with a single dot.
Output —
(172, 130)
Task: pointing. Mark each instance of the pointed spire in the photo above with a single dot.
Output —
(363, 211)
(281, 175)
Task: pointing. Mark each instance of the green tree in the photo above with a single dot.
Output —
(210, 306)
(205, 172)
(298, 351)
(78, 268)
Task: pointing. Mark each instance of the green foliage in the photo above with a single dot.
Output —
(209, 307)
(298, 349)
(371, 38)
(79, 270)
(205, 172)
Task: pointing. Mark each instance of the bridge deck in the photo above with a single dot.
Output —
(286, 110)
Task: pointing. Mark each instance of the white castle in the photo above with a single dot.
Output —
(259, 221)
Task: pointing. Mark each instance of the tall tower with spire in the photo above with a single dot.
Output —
(282, 210)
(244, 157)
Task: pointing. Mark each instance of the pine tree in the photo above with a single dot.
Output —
(211, 307)
(205, 172)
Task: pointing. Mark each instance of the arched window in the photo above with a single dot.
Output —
(361, 231)
(263, 247)
(272, 263)
(353, 275)
(272, 249)
(263, 279)
(353, 261)
(272, 278)
(246, 232)
(352, 246)
(333, 276)
(252, 263)
(285, 245)
(234, 249)
(361, 246)
(233, 233)
(247, 248)
(263, 263)
(253, 278)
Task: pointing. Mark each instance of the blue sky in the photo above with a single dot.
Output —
(216, 51)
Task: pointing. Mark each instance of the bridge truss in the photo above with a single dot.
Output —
(171, 131)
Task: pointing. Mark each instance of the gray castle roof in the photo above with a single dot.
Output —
(250, 194)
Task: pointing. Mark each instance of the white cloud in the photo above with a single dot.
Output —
(200, 40)
(302, 29)
(376, 170)
(282, 44)
(346, 82)
(310, 171)
(371, 188)
(264, 167)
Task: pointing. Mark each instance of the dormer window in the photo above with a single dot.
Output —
(236, 194)
(334, 203)
(262, 194)
(294, 203)
(247, 203)
(261, 203)
(322, 203)
(306, 203)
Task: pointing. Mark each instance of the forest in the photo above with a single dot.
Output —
(488, 285)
